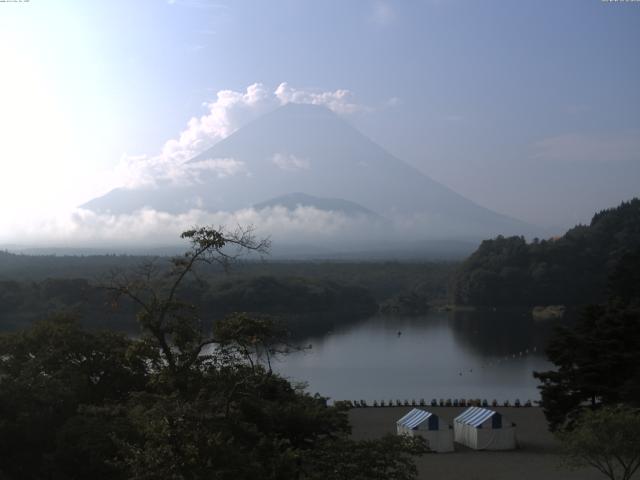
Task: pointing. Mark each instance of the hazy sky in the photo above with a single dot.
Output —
(529, 108)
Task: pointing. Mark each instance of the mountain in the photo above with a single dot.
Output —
(309, 149)
(292, 201)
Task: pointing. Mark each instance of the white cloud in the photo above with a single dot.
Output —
(222, 167)
(587, 147)
(150, 227)
(339, 100)
(228, 112)
(145, 172)
(147, 228)
(290, 162)
(192, 172)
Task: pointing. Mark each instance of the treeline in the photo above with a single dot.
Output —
(182, 399)
(305, 305)
(598, 358)
(23, 267)
(383, 279)
(23, 302)
(312, 297)
(591, 398)
(570, 270)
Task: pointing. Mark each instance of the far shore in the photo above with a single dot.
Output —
(537, 457)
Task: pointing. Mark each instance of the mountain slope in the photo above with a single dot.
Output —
(292, 201)
(310, 149)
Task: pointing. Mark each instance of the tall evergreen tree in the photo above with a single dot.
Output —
(598, 359)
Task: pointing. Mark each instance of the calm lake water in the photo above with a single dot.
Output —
(440, 355)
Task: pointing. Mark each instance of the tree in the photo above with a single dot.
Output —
(389, 458)
(598, 359)
(571, 269)
(606, 439)
(49, 375)
(252, 338)
(185, 400)
(167, 323)
(624, 282)
(598, 362)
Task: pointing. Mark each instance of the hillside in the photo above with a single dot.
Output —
(310, 150)
(571, 270)
(292, 201)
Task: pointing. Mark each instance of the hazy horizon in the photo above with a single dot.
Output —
(528, 109)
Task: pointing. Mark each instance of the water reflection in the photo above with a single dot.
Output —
(499, 333)
(443, 354)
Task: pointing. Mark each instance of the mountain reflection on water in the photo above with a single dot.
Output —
(475, 354)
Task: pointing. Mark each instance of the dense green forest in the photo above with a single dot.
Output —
(591, 397)
(78, 404)
(570, 270)
(382, 278)
(305, 305)
(311, 297)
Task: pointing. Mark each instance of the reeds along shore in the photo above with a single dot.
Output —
(462, 402)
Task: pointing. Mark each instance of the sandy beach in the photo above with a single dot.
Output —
(536, 458)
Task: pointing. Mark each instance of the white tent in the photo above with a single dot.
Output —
(483, 429)
(438, 434)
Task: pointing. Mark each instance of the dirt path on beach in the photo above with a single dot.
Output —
(536, 459)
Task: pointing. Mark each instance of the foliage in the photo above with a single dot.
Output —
(28, 291)
(273, 295)
(305, 304)
(302, 303)
(390, 458)
(406, 304)
(252, 338)
(624, 282)
(606, 439)
(181, 401)
(571, 270)
(48, 375)
(598, 362)
(598, 359)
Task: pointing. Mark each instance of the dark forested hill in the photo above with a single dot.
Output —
(572, 269)
(279, 296)
(301, 303)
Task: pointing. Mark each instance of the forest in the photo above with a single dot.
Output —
(314, 296)
(110, 374)
(311, 297)
(78, 404)
(569, 270)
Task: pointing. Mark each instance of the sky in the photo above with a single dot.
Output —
(530, 108)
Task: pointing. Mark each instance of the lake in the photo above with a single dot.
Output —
(482, 354)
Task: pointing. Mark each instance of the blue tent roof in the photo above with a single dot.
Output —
(474, 416)
(414, 418)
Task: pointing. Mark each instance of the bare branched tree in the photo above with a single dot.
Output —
(171, 325)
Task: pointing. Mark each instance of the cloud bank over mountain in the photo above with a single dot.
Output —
(224, 115)
(302, 226)
(230, 166)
